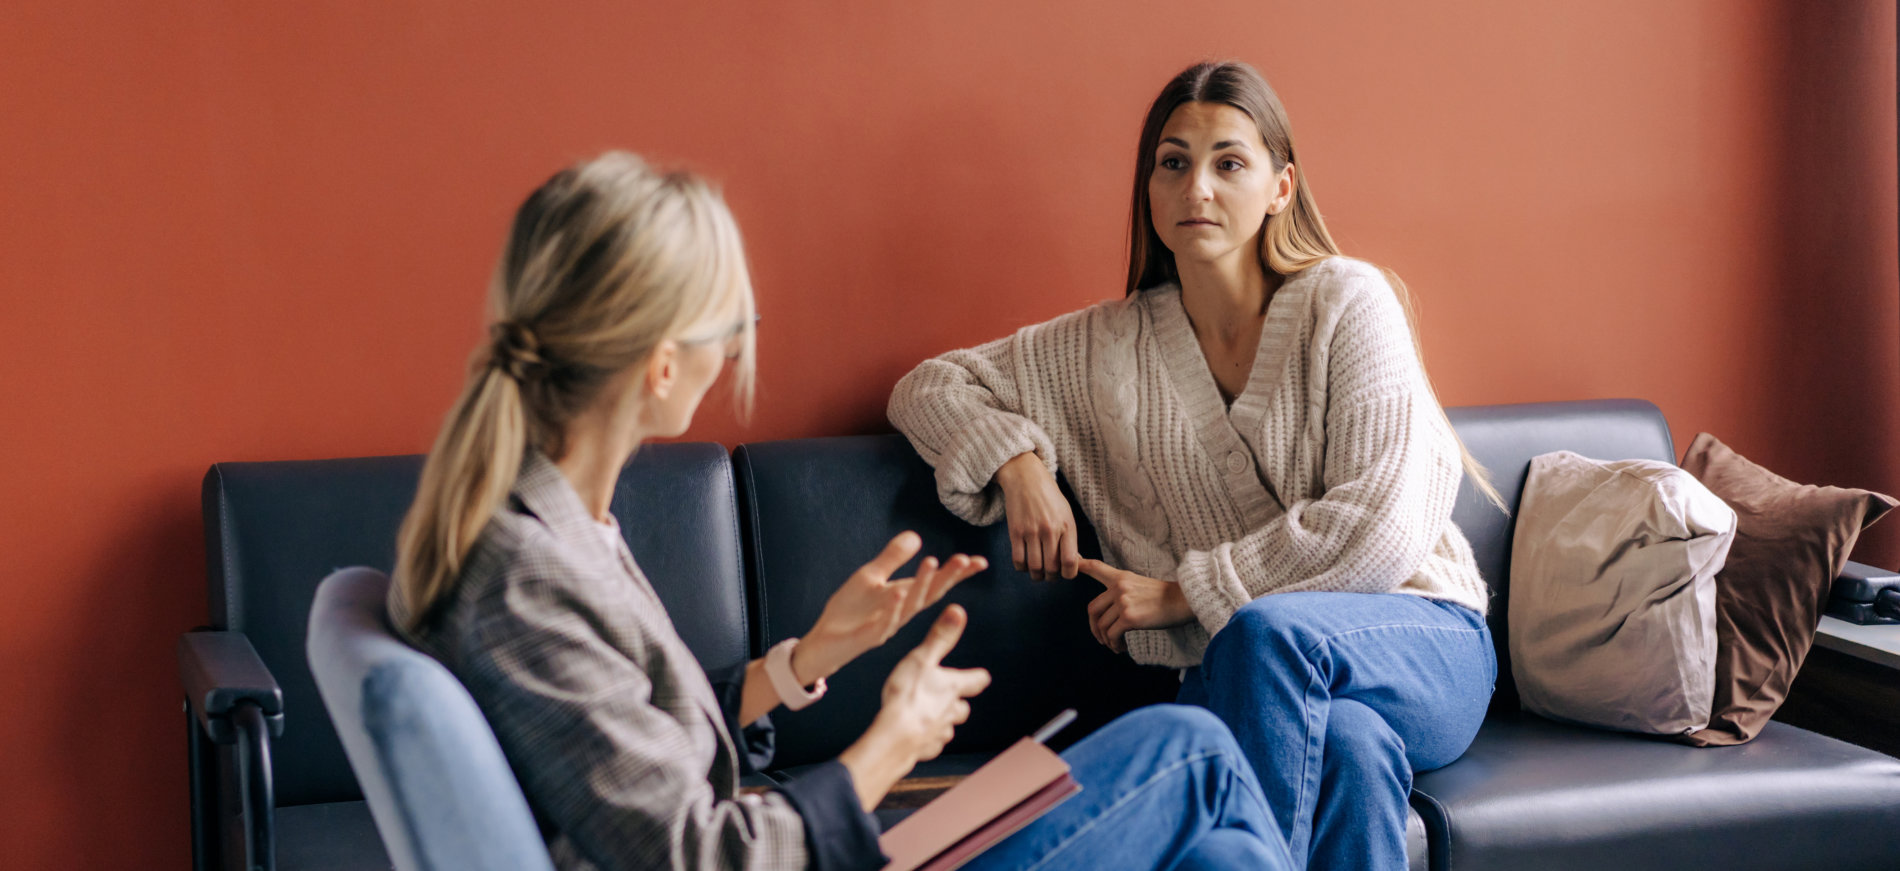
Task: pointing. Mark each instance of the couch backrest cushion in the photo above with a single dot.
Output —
(817, 509)
(274, 530)
(1504, 438)
(680, 514)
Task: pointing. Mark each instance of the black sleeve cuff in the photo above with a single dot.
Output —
(839, 834)
(756, 742)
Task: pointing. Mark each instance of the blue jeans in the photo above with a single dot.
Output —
(1163, 787)
(1337, 698)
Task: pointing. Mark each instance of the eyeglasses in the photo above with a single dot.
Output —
(730, 337)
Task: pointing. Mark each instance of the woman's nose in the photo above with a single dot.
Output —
(1199, 187)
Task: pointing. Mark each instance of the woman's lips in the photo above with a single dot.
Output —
(1198, 222)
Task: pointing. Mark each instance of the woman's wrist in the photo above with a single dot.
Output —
(1175, 605)
(1017, 467)
(877, 761)
(818, 656)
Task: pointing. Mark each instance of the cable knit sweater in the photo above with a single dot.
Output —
(1333, 469)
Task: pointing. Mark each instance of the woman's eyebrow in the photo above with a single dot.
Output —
(1224, 143)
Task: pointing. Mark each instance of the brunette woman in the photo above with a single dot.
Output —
(1252, 434)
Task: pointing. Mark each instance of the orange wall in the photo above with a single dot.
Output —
(241, 231)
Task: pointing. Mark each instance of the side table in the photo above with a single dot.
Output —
(1849, 686)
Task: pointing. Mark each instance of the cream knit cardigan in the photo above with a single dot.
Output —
(1334, 469)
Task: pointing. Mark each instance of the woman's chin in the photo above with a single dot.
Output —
(1200, 252)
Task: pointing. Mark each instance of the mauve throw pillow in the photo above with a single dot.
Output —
(1791, 542)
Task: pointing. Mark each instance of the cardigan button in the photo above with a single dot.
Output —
(1236, 462)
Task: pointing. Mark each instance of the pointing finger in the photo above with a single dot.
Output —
(1097, 569)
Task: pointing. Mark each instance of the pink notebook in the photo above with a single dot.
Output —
(1019, 785)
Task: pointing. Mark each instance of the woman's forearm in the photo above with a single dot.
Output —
(757, 698)
(877, 762)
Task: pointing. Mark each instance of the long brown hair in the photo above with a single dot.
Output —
(1293, 240)
(605, 261)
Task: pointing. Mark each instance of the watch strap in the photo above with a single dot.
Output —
(778, 668)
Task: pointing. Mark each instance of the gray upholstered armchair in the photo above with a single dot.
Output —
(437, 783)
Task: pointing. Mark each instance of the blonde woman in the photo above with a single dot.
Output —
(1251, 432)
(621, 295)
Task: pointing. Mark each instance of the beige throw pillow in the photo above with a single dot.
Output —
(1612, 605)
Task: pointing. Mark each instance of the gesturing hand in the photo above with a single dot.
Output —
(924, 702)
(1041, 523)
(870, 607)
(1132, 601)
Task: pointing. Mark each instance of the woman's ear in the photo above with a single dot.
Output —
(663, 369)
(1283, 190)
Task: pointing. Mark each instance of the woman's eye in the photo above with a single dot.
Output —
(1232, 165)
(1172, 163)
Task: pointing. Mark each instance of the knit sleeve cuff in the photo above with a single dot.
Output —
(838, 833)
(1174, 647)
(967, 472)
(1212, 586)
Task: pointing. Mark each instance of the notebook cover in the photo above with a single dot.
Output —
(1013, 777)
(1005, 825)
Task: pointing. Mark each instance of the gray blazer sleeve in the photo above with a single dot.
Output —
(605, 764)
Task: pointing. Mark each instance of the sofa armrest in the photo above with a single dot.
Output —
(1860, 582)
(221, 671)
(1866, 595)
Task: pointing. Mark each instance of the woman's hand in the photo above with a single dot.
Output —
(924, 702)
(870, 607)
(1041, 524)
(1132, 602)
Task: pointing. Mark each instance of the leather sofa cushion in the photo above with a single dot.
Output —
(274, 530)
(1535, 794)
(816, 509)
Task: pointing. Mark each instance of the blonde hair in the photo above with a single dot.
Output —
(1295, 238)
(605, 261)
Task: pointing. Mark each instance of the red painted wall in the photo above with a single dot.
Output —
(240, 231)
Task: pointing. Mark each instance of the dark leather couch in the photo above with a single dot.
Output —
(745, 549)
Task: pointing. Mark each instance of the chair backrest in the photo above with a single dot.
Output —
(437, 782)
(273, 530)
(1504, 438)
(817, 509)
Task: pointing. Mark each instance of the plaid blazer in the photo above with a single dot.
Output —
(611, 726)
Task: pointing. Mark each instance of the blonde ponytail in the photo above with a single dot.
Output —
(470, 470)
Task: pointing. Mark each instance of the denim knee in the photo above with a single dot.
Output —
(1358, 739)
(1270, 627)
(1186, 726)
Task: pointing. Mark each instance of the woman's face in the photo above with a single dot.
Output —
(1213, 184)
